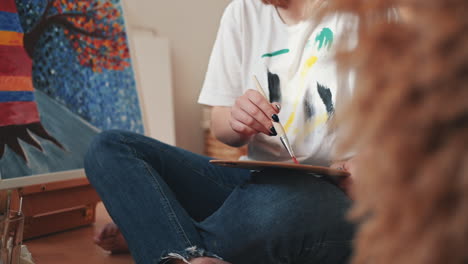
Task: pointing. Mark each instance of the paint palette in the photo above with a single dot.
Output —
(269, 165)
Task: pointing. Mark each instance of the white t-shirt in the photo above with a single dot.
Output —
(293, 65)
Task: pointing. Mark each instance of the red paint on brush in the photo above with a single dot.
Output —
(295, 160)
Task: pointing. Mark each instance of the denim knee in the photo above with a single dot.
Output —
(317, 209)
(100, 147)
(311, 216)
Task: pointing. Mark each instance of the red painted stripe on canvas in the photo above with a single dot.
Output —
(15, 83)
(8, 6)
(15, 61)
(18, 113)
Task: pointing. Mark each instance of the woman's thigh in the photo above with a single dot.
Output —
(198, 186)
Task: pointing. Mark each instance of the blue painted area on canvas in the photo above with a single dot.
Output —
(9, 22)
(16, 96)
(107, 100)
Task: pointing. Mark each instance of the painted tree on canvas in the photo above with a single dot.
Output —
(90, 27)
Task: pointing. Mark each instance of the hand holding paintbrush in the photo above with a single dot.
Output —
(277, 125)
(252, 113)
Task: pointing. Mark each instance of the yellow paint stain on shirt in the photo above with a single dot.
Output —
(318, 121)
(290, 119)
(309, 63)
(310, 127)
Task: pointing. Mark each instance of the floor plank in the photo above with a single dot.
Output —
(75, 246)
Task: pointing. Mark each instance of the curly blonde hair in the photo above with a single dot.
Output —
(409, 122)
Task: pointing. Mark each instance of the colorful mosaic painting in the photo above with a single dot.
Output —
(65, 75)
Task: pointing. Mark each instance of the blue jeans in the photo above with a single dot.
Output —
(171, 202)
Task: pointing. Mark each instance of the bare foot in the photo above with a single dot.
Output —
(110, 239)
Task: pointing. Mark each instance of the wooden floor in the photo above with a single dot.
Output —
(75, 246)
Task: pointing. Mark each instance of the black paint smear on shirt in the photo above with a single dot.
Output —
(274, 87)
(309, 109)
(326, 96)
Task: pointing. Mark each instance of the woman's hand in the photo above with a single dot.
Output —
(253, 114)
(346, 184)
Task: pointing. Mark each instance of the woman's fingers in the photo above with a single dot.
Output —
(276, 106)
(258, 99)
(247, 120)
(242, 128)
(346, 183)
(340, 165)
(254, 111)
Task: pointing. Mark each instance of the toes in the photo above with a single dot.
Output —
(108, 230)
(110, 239)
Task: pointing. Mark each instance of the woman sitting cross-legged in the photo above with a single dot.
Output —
(171, 205)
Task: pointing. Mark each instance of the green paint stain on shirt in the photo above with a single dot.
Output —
(276, 53)
(325, 38)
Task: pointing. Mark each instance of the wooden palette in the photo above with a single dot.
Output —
(269, 165)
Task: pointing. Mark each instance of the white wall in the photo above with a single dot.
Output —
(153, 71)
(191, 28)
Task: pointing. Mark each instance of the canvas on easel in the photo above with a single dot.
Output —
(65, 75)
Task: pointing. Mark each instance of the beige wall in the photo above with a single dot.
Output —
(191, 28)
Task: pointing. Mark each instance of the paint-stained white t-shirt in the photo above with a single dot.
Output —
(295, 67)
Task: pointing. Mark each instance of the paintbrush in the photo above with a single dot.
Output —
(278, 127)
